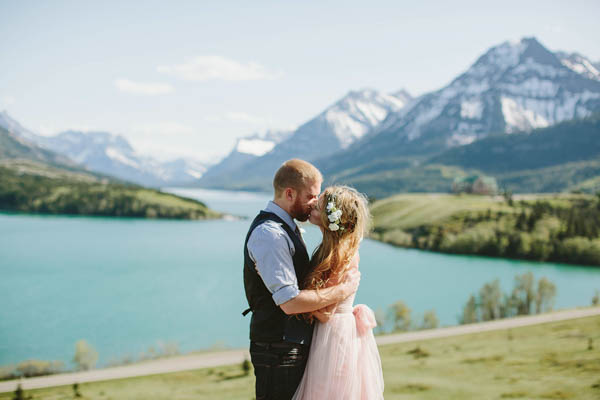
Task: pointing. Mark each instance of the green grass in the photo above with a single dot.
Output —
(547, 361)
(541, 227)
(542, 361)
(33, 187)
(414, 209)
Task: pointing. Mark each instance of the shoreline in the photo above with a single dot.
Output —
(448, 253)
(222, 216)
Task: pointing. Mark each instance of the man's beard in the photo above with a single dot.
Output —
(300, 212)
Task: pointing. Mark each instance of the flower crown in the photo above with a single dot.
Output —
(335, 215)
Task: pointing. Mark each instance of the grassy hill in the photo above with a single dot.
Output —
(546, 361)
(563, 228)
(34, 187)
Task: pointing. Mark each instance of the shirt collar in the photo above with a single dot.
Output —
(281, 213)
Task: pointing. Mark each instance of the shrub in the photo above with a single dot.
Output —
(85, 356)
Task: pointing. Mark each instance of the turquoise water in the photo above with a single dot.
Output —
(124, 285)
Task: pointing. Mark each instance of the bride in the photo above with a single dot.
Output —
(343, 362)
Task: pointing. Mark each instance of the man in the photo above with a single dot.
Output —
(275, 263)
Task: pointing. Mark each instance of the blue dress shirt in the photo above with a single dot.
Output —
(271, 250)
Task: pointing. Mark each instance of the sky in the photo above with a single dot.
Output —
(187, 78)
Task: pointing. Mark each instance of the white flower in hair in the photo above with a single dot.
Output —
(334, 215)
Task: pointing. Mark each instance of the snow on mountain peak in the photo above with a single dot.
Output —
(519, 118)
(522, 56)
(580, 64)
(259, 144)
(256, 147)
(498, 59)
(403, 95)
(358, 112)
(118, 156)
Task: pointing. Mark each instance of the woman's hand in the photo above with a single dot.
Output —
(325, 313)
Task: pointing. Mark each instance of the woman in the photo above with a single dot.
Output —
(343, 362)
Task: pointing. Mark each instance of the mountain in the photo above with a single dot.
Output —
(183, 170)
(513, 87)
(568, 141)
(334, 129)
(245, 150)
(14, 147)
(559, 158)
(113, 155)
(110, 154)
(15, 128)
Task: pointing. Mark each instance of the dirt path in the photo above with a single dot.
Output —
(214, 359)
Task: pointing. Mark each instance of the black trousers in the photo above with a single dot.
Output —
(278, 367)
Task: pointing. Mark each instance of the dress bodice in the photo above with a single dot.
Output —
(346, 306)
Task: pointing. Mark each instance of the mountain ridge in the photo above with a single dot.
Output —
(111, 154)
(337, 127)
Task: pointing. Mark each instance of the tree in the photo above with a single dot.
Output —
(509, 306)
(76, 391)
(20, 394)
(490, 297)
(544, 300)
(469, 314)
(508, 196)
(246, 366)
(430, 320)
(400, 314)
(521, 223)
(85, 356)
(380, 319)
(524, 293)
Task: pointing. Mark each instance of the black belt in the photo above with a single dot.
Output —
(277, 345)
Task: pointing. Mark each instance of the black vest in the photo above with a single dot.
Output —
(269, 323)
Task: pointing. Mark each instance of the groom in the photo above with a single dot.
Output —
(275, 264)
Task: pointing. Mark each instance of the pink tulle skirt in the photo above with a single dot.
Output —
(343, 361)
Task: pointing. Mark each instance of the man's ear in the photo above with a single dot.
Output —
(290, 194)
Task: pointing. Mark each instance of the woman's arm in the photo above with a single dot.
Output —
(309, 300)
(325, 313)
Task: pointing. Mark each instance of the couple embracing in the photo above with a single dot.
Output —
(307, 339)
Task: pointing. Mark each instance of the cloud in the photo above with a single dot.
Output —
(52, 129)
(6, 101)
(162, 128)
(204, 68)
(555, 28)
(145, 88)
(240, 117)
(245, 117)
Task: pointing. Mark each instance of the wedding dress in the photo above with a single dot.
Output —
(343, 361)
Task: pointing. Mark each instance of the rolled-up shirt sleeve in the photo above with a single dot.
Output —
(271, 250)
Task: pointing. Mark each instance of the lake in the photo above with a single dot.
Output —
(125, 285)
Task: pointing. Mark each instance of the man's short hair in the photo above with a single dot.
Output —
(296, 174)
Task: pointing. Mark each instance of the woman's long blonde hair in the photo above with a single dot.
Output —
(332, 257)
